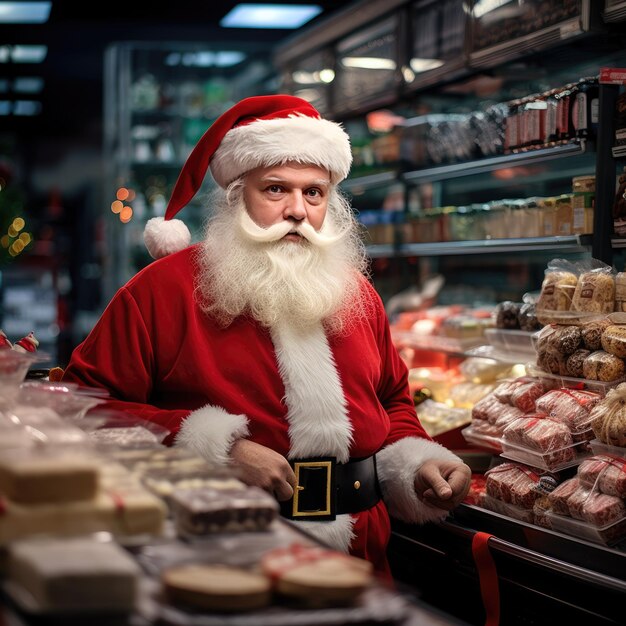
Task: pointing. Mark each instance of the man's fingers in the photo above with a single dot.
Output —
(434, 483)
(283, 491)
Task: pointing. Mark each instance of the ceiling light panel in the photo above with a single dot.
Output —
(24, 12)
(280, 16)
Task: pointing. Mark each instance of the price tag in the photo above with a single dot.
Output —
(613, 76)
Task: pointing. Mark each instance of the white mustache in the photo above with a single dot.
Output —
(259, 234)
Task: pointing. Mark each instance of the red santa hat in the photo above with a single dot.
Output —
(258, 131)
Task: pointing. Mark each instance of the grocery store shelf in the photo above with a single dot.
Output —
(362, 183)
(569, 243)
(471, 168)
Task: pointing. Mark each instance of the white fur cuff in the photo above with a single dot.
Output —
(397, 465)
(211, 431)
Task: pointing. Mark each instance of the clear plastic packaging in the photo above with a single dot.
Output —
(542, 443)
(506, 508)
(513, 483)
(600, 387)
(437, 417)
(13, 369)
(481, 439)
(606, 474)
(608, 418)
(571, 407)
(72, 575)
(608, 534)
(599, 447)
(518, 342)
(66, 400)
(117, 429)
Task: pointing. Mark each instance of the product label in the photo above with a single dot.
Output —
(613, 76)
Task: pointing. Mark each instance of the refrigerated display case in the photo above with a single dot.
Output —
(160, 98)
(470, 216)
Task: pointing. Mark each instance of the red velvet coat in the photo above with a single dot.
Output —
(164, 360)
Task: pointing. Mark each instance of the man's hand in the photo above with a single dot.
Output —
(262, 467)
(442, 484)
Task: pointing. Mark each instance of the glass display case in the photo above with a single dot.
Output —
(160, 98)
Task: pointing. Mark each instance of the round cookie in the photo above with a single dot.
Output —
(216, 587)
(317, 576)
(603, 366)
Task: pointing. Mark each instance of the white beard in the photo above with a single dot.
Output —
(300, 283)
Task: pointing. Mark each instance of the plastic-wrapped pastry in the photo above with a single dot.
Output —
(507, 315)
(601, 365)
(591, 332)
(614, 340)
(595, 292)
(514, 483)
(574, 363)
(553, 296)
(608, 418)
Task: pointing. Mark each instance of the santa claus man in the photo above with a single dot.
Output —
(265, 347)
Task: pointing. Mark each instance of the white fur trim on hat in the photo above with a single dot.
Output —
(397, 465)
(298, 138)
(165, 237)
(210, 432)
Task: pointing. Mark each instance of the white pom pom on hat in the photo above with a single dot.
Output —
(258, 131)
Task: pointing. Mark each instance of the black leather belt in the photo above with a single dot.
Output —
(325, 488)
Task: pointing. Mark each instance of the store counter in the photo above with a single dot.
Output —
(539, 573)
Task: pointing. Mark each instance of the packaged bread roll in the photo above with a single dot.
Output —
(595, 292)
(591, 332)
(620, 291)
(555, 295)
(601, 365)
(614, 340)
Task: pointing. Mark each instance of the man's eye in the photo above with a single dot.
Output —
(274, 189)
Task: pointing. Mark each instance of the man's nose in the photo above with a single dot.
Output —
(296, 206)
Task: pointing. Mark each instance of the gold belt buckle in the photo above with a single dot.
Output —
(327, 465)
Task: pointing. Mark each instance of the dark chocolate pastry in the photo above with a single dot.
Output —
(506, 315)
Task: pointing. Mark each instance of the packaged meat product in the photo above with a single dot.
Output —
(601, 509)
(506, 508)
(539, 441)
(513, 483)
(614, 340)
(591, 332)
(601, 365)
(576, 502)
(508, 415)
(559, 497)
(595, 292)
(606, 474)
(521, 392)
(490, 408)
(572, 407)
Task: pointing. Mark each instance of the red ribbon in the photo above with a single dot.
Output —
(488, 577)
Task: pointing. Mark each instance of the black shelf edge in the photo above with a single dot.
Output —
(470, 168)
(570, 243)
(371, 180)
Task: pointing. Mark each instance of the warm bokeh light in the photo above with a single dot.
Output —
(4, 241)
(131, 195)
(11, 230)
(126, 214)
(122, 193)
(117, 206)
(18, 224)
(25, 238)
(17, 245)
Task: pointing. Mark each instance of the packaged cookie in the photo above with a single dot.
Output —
(601, 365)
(595, 291)
(614, 340)
(507, 315)
(591, 332)
(527, 317)
(565, 339)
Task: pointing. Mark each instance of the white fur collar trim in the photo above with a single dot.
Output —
(316, 407)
